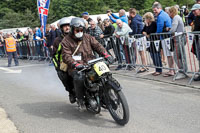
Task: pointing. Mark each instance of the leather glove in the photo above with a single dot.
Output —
(77, 66)
(108, 57)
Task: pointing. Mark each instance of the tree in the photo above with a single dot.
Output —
(112, 4)
(13, 20)
(20, 13)
(28, 19)
(91, 6)
(4, 11)
(167, 3)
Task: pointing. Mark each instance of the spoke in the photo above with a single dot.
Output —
(114, 99)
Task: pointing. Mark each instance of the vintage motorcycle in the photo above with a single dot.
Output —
(103, 91)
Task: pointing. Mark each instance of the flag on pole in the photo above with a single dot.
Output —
(43, 9)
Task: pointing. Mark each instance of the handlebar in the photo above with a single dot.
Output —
(91, 62)
(85, 68)
(95, 60)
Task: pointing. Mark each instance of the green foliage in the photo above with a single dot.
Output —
(4, 11)
(14, 19)
(167, 3)
(19, 13)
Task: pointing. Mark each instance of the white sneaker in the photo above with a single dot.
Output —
(180, 76)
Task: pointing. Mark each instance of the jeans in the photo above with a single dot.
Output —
(19, 49)
(24, 49)
(46, 52)
(120, 50)
(2, 53)
(38, 48)
(12, 55)
(156, 57)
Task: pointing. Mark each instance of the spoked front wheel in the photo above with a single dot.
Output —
(117, 106)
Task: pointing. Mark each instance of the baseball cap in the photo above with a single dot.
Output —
(195, 7)
(85, 13)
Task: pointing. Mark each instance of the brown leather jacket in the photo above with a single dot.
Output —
(89, 44)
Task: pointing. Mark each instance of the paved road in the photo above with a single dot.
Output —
(36, 102)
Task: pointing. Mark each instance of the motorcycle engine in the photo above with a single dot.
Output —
(92, 76)
(93, 103)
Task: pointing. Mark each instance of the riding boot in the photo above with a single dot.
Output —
(79, 86)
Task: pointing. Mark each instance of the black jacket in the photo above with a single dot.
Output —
(109, 31)
(58, 32)
(195, 47)
(191, 18)
(151, 29)
(136, 25)
(50, 37)
(197, 23)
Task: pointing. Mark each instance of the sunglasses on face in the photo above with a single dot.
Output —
(78, 29)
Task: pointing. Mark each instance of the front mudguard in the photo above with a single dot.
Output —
(111, 82)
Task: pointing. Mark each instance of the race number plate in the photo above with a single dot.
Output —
(101, 68)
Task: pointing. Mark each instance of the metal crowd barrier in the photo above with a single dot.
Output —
(193, 53)
(3, 51)
(143, 52)
(137, 51)
(31, 50)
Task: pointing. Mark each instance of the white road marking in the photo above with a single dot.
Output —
(28, 65)
(7, 70)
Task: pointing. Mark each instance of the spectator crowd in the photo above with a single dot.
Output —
(169, 20)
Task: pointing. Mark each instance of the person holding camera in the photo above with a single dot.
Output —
(122, 16)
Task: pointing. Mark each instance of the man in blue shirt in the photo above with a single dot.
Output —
(164, 23)
(122, 16)
(163, 20)
(37, 37)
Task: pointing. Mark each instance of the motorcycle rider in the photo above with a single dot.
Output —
(64, 25)
(88, 44)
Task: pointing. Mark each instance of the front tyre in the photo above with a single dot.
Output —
(117, 104)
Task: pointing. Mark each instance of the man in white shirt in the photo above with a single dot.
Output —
(122, 31)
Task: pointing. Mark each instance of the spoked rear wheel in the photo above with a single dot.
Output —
(117, 105)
